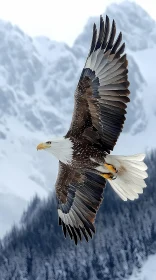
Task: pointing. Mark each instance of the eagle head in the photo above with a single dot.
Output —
(61, 148)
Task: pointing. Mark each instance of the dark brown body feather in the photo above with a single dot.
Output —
(84, 150)
(98, 118)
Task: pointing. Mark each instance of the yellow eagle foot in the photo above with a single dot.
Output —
(108, 176)
(110, 167)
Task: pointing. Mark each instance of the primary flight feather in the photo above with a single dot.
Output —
(84, 156)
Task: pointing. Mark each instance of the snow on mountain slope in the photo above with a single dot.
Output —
(147, 271)
(138, 28)
(146, 139)
(11, 207)
(37, 81)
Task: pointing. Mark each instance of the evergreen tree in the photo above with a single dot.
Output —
(125, 236)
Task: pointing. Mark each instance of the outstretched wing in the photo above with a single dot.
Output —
(102, 91)
(79, 197)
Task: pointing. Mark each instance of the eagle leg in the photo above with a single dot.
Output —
(110, 167)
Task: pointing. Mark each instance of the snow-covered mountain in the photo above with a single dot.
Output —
(147, 271)
(37, 81)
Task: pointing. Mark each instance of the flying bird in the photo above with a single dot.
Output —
(85, 163)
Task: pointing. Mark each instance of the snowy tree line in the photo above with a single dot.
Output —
(125, 236)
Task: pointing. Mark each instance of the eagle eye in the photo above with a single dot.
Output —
(48, 142)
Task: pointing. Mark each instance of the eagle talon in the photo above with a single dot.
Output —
(110, 167)
(108, 176)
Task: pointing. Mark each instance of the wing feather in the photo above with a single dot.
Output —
(77, 209)
(102, 92)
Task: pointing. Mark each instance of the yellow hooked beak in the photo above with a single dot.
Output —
(43, 146)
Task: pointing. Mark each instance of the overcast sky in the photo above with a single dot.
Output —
(61, 20)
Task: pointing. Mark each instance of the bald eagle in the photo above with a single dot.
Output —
(85, 163)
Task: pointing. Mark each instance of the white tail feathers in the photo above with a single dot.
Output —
(130, 177)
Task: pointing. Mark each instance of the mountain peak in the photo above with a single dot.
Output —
(137, 26)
